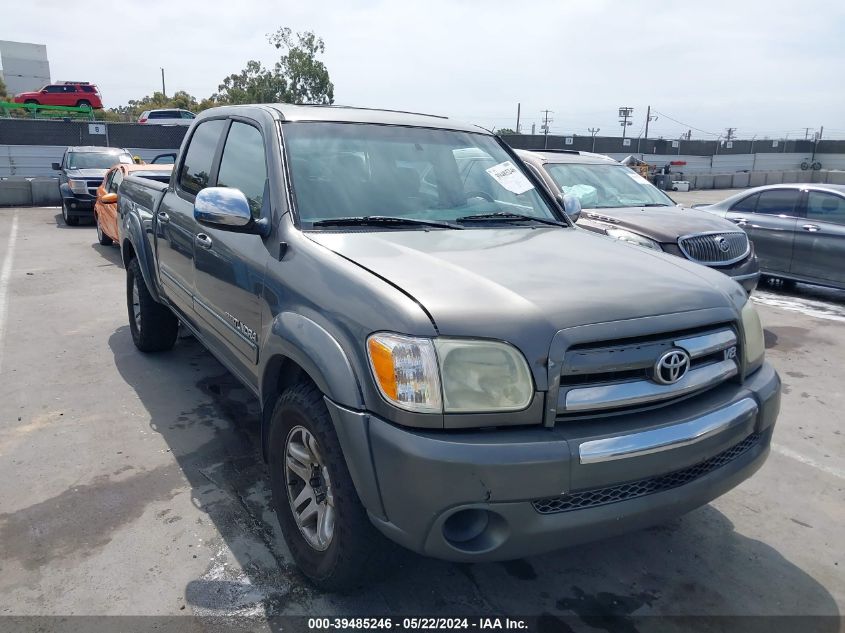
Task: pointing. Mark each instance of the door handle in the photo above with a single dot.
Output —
(202, 240)
(741, 221)
(812, 228)
(163, 218)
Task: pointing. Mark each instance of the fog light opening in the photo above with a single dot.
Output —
(475, 530)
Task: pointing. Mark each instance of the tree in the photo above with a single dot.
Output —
(254, 84)
(3, 94)
(307, 77)
(505, 130)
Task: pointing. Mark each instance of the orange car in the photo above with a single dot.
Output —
(105, 209)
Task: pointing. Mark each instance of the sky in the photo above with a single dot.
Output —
(765, 67)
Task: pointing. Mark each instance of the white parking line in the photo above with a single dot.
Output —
(5, 275)
(788, 452)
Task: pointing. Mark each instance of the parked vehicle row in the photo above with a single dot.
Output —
(441, 356)
(81, 172)
(105, 208)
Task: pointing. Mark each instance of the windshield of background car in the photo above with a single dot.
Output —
(96, 160)
(342, 170)
(606, 186)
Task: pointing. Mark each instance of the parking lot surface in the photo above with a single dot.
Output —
(132, 484)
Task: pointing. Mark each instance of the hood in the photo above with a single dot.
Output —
(664, 224)
(86, 173)
(523, 285)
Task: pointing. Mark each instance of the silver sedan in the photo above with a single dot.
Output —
(798, 230)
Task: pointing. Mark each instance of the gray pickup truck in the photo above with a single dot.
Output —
(441, 356)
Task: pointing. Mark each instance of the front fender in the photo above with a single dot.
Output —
(133, 233)
(314, 349)
(64, 190)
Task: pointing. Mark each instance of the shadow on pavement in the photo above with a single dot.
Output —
(696, 565)
(110, 253)
(60, 223)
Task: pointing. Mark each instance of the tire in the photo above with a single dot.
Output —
(83, 103)
(102, 238)
(816, 166)
(805, 166)
(154, 328)
(32, 102)
(355, 549)
(68, 219)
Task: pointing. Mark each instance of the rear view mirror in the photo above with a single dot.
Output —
(571, 204)
(109, 198)
(57, 167)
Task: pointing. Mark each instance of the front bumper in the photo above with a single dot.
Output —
(78, 207)
(508, 493)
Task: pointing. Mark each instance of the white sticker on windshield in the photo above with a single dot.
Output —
(507, 175)
(639, 178)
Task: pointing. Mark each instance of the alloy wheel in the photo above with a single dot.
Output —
(309, 488)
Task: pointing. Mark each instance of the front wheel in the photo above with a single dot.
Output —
(82, 103)
(324, 522)
(153, 326)
(816, 166)
(102, 238)
(805, 165)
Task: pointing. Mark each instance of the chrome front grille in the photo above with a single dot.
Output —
(615, 377)
(93, 185)
(716, 248)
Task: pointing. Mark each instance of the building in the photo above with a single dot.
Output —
(23, 66)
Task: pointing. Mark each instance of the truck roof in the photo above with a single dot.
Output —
(350, 114)
(565, 156)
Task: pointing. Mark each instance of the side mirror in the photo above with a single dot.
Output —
(227, 209)
(571, 205)
(57, 167)
(108, 198)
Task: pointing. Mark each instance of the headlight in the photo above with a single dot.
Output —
(475, 376)
(78, 186)
(483, 376)
(755, 344)
(633, 238)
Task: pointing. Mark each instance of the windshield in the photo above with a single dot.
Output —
(96, 160)
(606, 186)
(352, 170)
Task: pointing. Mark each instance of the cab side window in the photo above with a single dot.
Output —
(825, 207)
(746, 205)
(195, 173)
(243, 165)
(778, 202)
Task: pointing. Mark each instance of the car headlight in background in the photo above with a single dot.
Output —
(474, 375)
(755, 343)
(77, 186)
(633, 238)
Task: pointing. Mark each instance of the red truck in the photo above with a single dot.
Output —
(64, 93)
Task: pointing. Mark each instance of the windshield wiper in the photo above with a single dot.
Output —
(382, 220)
(654, 204)
(507, 216)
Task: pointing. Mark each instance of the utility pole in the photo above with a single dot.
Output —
(729, 134)
(533, 129)
(545, 127)
(162, 83)
(648, 119)
(806, 133)
(593, 132)
(821, 131)
(518, 108)
(625, 114)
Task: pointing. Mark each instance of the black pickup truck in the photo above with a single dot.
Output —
(440, 355)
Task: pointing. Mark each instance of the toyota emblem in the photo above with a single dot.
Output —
(722, 243)
(671, 367)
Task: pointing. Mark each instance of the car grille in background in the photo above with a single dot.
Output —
(631, 490)
(93, 185)
(715, 249)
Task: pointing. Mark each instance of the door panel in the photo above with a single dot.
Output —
(230, 266)
(770, 219)
(177, 228)
(820, 239)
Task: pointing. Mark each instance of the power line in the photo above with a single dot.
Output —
(625, 113)
(687, 125)
(545, 127)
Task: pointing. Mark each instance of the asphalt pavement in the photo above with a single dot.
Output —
(132, 484)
